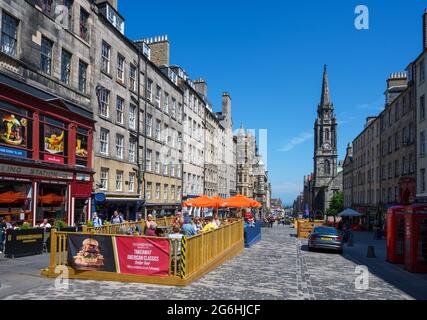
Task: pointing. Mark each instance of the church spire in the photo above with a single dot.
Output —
(325, 99)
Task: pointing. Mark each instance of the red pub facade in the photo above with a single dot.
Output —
(46, 169)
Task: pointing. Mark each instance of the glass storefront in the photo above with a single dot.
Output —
(52, 202)
(80, 207)
(15, 200)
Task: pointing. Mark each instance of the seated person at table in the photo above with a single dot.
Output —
(198, 225)
(188, 229)
(179, 220)
(210, 225)
(151, 231)
(178, 236)
(216, 220)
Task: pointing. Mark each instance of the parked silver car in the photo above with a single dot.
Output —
(325, 238)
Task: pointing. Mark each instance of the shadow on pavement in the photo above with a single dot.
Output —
(414, 285)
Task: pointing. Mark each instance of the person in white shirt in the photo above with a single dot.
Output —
(45, 224)
(216, 220)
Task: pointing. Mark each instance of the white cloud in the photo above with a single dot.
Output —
(296, 141)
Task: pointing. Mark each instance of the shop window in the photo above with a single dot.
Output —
(15, 201)
(51, 203)
(80, 209)
(82, 147)
(53, 140)
(15, 132)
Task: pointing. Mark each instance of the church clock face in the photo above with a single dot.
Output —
(327, 146)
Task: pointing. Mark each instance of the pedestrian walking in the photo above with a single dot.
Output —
(97, 222)
(116, 218)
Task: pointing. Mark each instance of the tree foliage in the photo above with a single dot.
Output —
(336, 205)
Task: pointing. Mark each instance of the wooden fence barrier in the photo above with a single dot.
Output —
(202, 253)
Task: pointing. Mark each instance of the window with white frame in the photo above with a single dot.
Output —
(178, 194)
(166, 192)
(173, 110)
(104, 179)
(82, 76)
(173, 196)
(148, 190)
(132, 150)
(149, 90)
(131, 181)
(179, 112)
(120, 68)
(157, 190)
(104, 141)
(149, 125)
(104, 102)
(84, 24)
(132, 117)
(165, 169)
(148, 161)
(172, 165)
(65, 66)
(119, 180)
(158, 96)
(157, 134)
(132, 78)
(46, 56)
(166, 103)
(179, 169)
(120, 106)
(157, 164)
(119, 146)
(9, 35)
(106, 57)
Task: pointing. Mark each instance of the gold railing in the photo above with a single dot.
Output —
(205, 248)
(123, 227)
(198, 255)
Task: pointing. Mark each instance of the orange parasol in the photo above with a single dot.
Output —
(12, 197)
(240, 201)
(201, 202)
(52, 198)
(217, 202)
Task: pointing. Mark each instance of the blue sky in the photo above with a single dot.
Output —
(270, 54)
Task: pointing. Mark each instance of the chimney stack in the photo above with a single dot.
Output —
(425, 30)
(201, 87)
(160, 50)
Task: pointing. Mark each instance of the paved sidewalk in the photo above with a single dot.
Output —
(278, 268)
(414, 285)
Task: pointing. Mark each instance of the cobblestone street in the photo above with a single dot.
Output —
(277, 268)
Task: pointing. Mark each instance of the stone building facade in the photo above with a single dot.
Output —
(417, 75)
(366, 172)
(163, 131)
(398, 145)
(116, 104)
(46, 73)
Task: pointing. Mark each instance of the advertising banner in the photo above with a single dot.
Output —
(20, 243)
(126, 255)
(91, 253)
(142, 256)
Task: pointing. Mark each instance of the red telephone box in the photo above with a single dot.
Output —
(396, 234)
(416, 239)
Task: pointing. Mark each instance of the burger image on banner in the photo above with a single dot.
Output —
(91, 253)
(89, 257)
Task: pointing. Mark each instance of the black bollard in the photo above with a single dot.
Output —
(371, 252)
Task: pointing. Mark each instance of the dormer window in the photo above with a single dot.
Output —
(113, 17)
